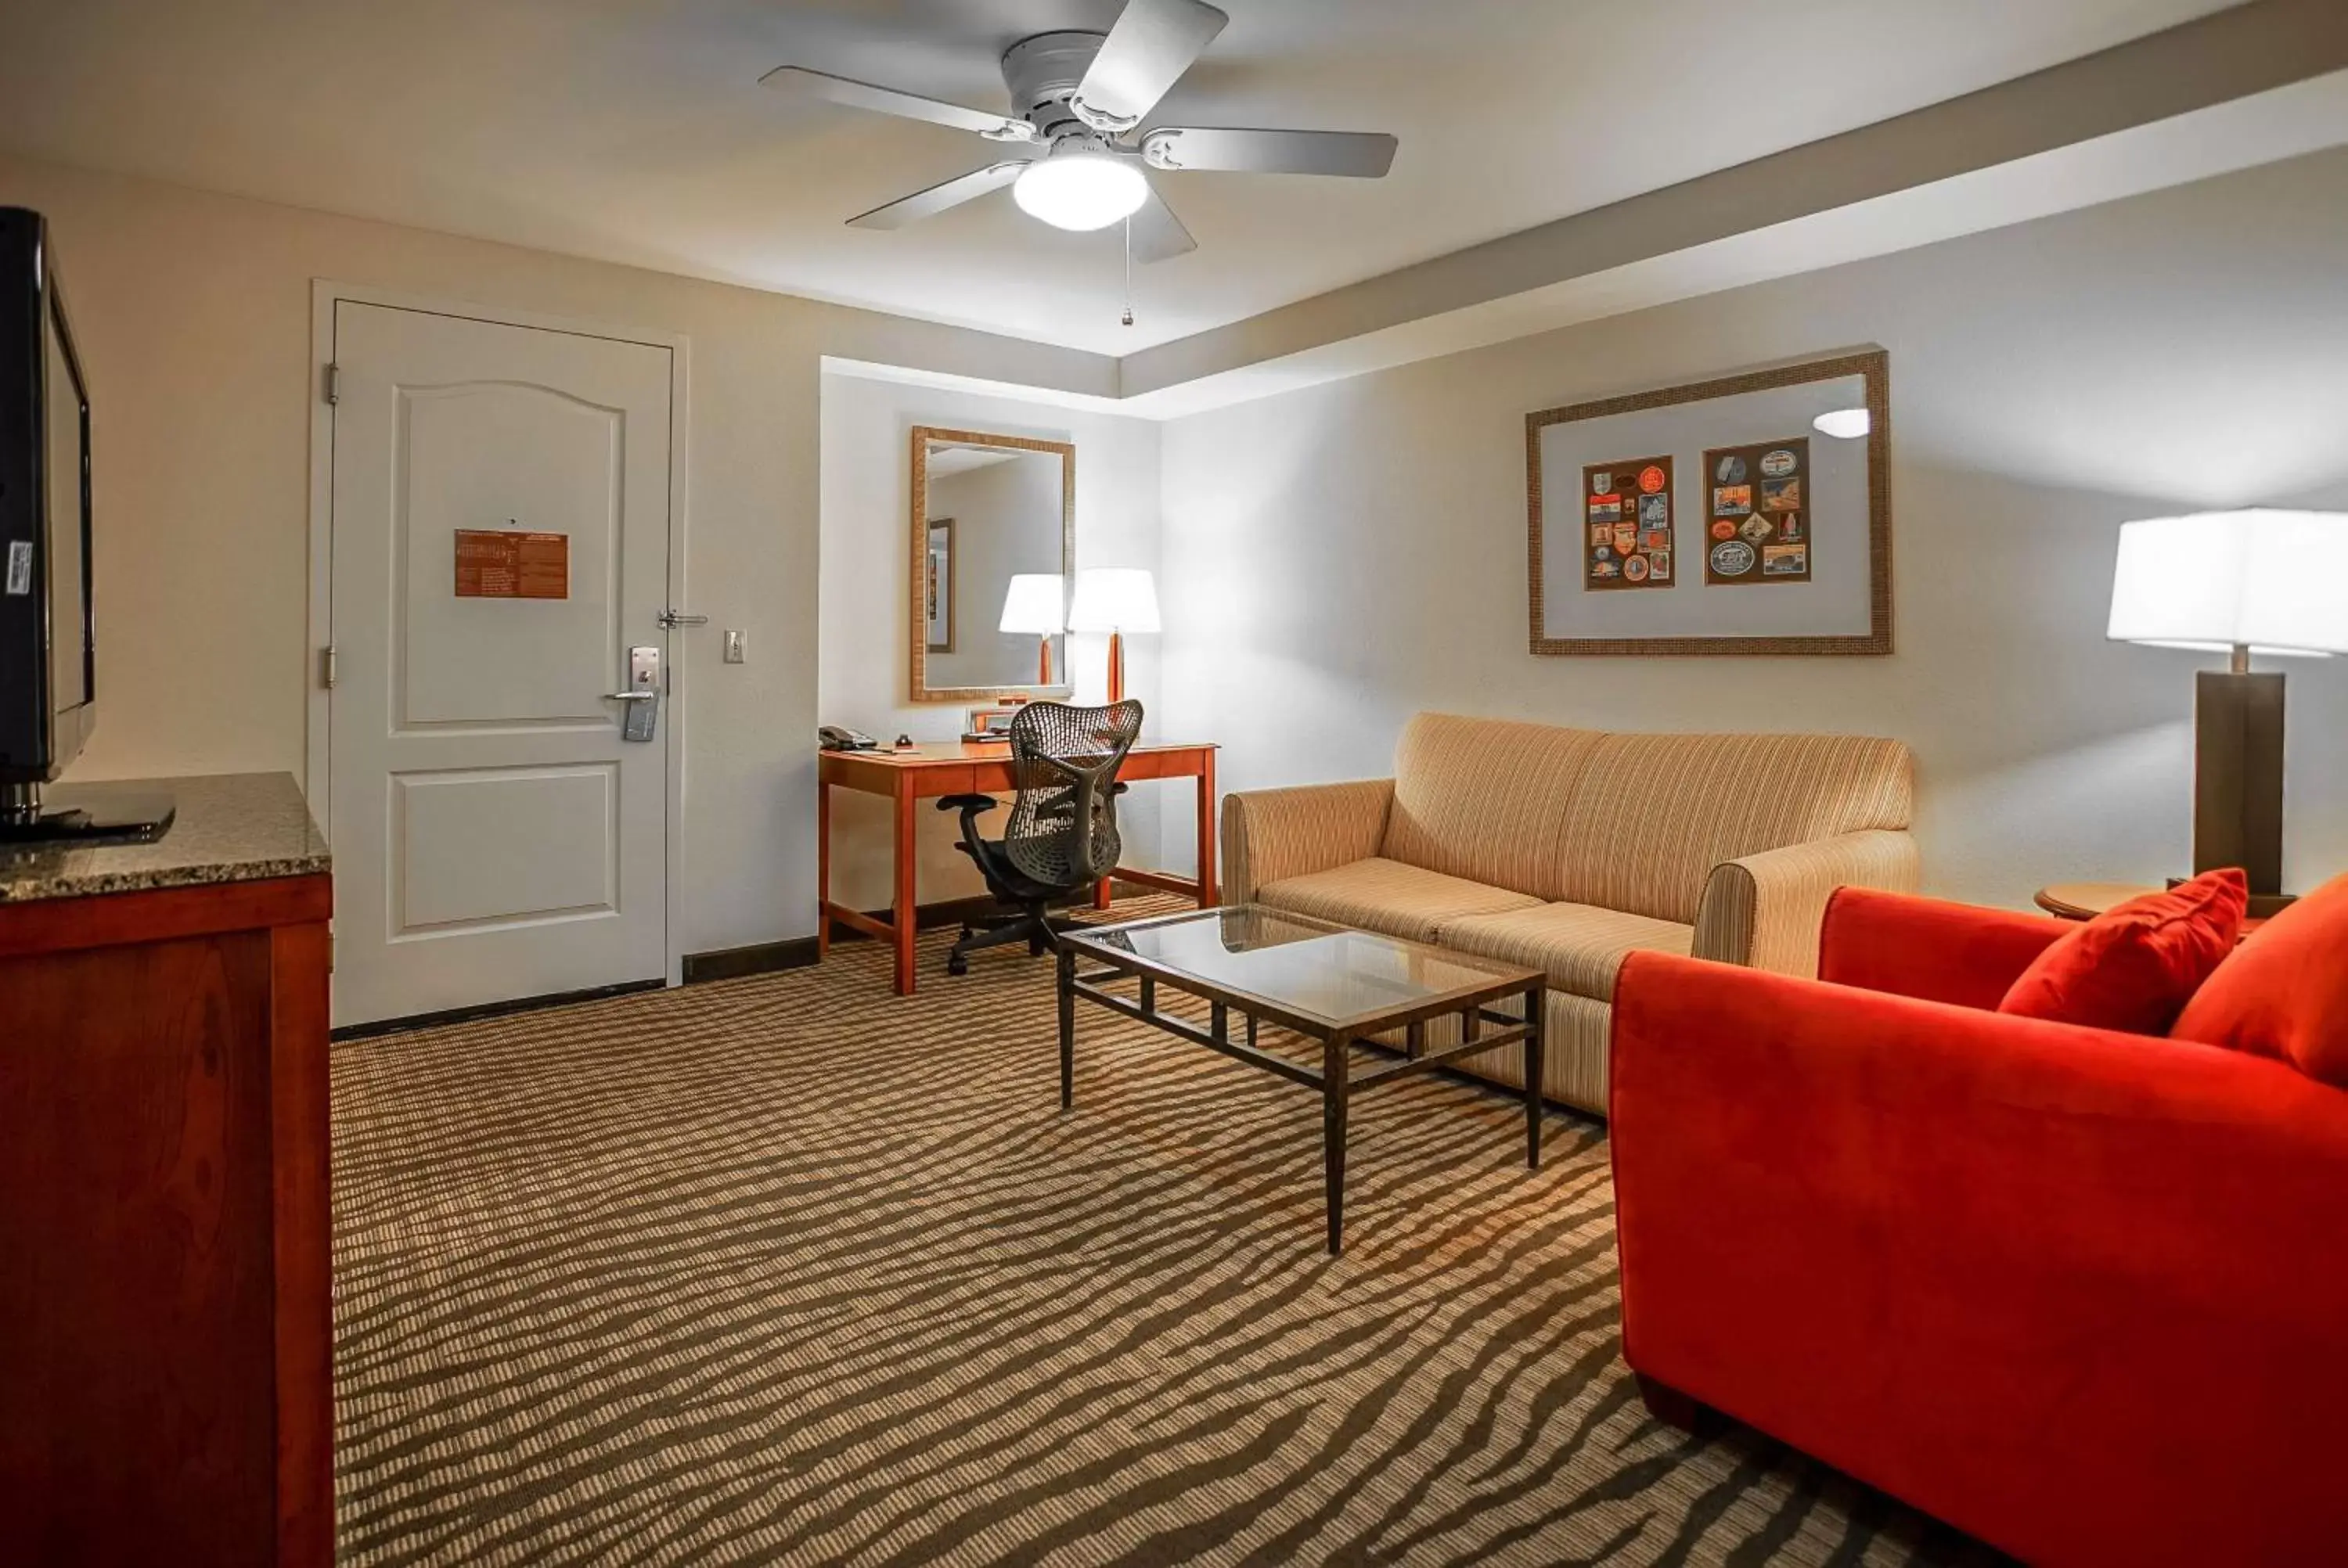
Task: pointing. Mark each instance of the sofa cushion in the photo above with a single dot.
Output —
(2284, 991)
(2135, 965)
(1654, 813)
(1380, 895)
(1485, 798)
(1579, 946)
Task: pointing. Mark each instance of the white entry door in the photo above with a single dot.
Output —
(501, 539)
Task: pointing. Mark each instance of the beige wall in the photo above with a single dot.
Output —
(1340, 557)
(193, 314)
(867, 599)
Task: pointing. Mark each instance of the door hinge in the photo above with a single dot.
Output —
(326, 667)
(333, 384)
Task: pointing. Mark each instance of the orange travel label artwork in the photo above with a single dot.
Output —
(1758, 519)
(1627, 512)
(495, 565)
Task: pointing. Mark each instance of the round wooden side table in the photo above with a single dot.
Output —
(2085, 900)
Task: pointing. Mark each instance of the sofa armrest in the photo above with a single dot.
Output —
(1764, 911)
(2099, 1261)
(1929, 949)
(1271, 834)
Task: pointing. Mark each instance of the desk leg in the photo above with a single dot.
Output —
(1210, 892)
(903, 917)
(1104, 892)
(822, 870)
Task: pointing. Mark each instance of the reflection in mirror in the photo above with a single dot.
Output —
(989, 514)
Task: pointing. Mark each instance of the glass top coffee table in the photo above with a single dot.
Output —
(1336, 986)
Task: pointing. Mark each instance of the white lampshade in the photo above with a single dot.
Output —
(1081, 188)
(1033, 603)
(1114, 598)
(2276, 583)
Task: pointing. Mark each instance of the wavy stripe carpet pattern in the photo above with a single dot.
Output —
(788, 1269)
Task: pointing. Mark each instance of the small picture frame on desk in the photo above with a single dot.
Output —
(991, 724)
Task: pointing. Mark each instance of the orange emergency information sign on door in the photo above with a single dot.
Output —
(492, 565)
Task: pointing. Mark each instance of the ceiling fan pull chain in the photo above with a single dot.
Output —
(1128, 269)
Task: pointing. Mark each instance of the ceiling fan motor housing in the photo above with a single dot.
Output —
(1043, 74)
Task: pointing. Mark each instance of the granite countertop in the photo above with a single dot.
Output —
(230, 827)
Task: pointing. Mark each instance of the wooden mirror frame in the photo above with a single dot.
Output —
(921, 691)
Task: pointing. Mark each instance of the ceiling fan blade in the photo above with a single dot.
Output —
(937, 199)
(800, 82)
(1147, 51)
(1363, 155)
(1157, 234)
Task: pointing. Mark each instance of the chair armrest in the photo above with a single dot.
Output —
(1929, 949)
(980, 803)
(1838, 1208)
(1271, 834)
(1764, 911)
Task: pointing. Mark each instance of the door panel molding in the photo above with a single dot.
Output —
(606, 441)
(419, 904)
(326, 295)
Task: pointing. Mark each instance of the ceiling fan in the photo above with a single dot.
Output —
(1077, 99)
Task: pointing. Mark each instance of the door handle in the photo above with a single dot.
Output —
(643, 695)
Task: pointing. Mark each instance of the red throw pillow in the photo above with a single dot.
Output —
(2136, 964)
(2284, 992)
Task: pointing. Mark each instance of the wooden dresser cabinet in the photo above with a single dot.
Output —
(166, 1328)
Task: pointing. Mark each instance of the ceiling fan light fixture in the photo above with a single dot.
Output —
(1081, 189)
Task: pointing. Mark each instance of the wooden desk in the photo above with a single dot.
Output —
(928, 772)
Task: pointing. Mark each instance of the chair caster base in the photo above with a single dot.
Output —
(957, 965)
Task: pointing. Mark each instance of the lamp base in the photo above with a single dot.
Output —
(2238, 776)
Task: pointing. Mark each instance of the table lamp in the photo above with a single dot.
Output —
(1032, 607)
(2238, 583)
(1115, 599)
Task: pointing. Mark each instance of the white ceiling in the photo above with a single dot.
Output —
(633, 131)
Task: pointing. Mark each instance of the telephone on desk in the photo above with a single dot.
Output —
(835, 738)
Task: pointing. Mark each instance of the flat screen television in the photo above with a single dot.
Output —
(49, 642)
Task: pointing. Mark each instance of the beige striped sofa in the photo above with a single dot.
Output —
(1568, 849)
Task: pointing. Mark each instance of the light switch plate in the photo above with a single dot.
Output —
(738, 647)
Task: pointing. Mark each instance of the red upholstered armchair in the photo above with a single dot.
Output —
(2084, 1295)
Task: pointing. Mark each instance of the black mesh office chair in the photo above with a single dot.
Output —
(1061, 837)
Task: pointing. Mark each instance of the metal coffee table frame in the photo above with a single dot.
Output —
(1482, 1029)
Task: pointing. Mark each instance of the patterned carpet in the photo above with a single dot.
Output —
(788, 1269)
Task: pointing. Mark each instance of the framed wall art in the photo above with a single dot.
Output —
(1749, 514)
(938, 587)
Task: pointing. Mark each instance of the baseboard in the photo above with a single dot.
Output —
(799, 952)
(758, 959)
(490, 1010)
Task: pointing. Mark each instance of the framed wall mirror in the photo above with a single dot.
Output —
(993, 552)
